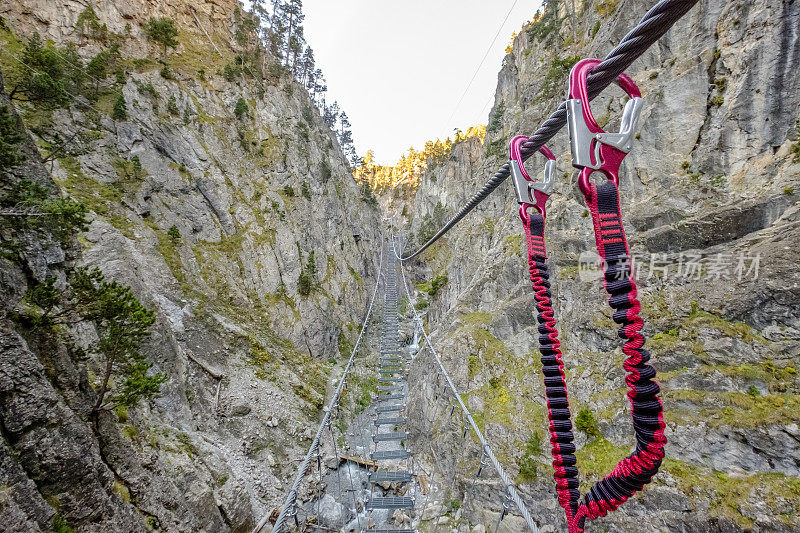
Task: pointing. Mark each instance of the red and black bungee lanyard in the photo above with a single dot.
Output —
(593, 150)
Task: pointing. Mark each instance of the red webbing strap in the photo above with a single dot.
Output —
(636, 470)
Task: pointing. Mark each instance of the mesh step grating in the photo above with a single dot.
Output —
(390, 477)
(390, 408)
(389, 531)
(387, 397)
(382, 437)
(390, 502)
(392, 420)
(392, 454)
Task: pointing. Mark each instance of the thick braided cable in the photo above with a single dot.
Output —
(652, 27)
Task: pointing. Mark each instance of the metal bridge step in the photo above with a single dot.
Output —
(382, 437)
(389, 531)
(390, 502)
(389, 380)
(390, 477)
(390, 387)
(390, 408)
(392, 454)
(387, 397)
(395, 421)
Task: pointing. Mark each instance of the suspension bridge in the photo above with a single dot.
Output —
(388, 491)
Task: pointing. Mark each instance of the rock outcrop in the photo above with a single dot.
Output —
(212, 215)
(711, 181)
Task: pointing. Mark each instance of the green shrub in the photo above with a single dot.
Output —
(229, 73)
(308, 114)
(174, 233)
(554, 78)
(528, 469)
(60, 216)
(241, 109)
(46, 86)
(796, 146)
(718, 101)
(147, 89)
(172, 105)
(60, 525)
(325, 171)
(120, 111)
(596, 28)
(587, 422)
(305, 192)
(307, 280)
(302, 130)
(496, 122)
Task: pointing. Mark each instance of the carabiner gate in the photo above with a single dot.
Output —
(593, 148)
(530, 193)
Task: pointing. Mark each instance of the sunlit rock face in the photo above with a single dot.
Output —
(711, 185)
(211, 217)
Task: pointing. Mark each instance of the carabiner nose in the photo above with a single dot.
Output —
(530, 193)
(593, 148)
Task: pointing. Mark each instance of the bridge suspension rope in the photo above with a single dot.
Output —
(511, 490)
(289, 506)
(652, 27)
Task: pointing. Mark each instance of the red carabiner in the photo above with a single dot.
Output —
(592, 147)
(530, 193)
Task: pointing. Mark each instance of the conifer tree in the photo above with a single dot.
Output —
(164, 32)
(9, 139)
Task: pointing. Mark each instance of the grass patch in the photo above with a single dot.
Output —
(598, 457)
(733, 409)
(729, 495)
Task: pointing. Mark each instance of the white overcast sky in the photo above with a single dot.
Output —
(398, 68)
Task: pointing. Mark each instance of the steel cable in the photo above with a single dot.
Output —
(509, 486)
(652, 27)
(291, 497)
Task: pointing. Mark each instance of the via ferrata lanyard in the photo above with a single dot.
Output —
(593, 150)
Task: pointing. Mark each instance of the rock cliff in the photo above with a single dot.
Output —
(213, 197)
(712, 181)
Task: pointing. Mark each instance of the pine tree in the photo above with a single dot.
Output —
(344, 123)
(292, 12)
(46, 83)
(122, 324)
(9, 139)
(163, 31)
(330, 114)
